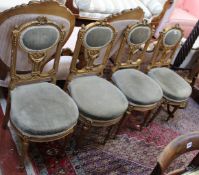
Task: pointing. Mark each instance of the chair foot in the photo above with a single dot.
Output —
(136, 127)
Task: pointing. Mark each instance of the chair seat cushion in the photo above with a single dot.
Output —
(97, 98)
(42, 109)
(174, 86)
(139, 88)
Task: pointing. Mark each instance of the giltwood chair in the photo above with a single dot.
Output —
(142, 91)
(175, 89)
(174, 149)
(39, 111)
(100, 103)
(25, 13)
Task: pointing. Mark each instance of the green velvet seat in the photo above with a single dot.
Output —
(42, 109)
(174, 87)
(97, 98)
(139, 88)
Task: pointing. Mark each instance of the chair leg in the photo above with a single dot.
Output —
(84, 131)
(154, 115)
(122, 121)
(113, 131)
(171, 111)
(107, 135)
(24, 152)
(7, 114)
(146, 118)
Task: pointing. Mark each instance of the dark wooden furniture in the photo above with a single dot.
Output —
(174, 149)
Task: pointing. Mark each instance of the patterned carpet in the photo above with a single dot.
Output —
(131, 153)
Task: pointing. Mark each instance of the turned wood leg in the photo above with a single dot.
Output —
(171, 111)
(154, 115)
(107, 135)
(24, 152)
(83, 132)
(7, 114)
(146, 118)
(114, 131)
(122, 122)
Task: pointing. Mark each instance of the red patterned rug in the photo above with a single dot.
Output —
(131, 153)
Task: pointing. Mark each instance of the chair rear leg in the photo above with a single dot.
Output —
(171, 111)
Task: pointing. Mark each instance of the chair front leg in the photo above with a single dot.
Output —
(24, 152)
(122, 121)
(155, 113)
(108, 134)
(114, 130)
(84, 130)
(7, 114)
(146, 118)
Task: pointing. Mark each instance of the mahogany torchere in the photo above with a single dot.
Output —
(182, 54)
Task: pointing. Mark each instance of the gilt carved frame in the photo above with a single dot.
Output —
(47, 7)
(90, 55)
(132, 49)
(165, 52)
(38, 59)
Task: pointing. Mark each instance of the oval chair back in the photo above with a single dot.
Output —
(19, 15)
(135, 37)
(96, 39)
(166, 46)
(38, 40)
(174, 149)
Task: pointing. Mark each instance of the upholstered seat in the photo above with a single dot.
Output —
(43, 111)
(138, 87)
(97, 98)
(174, 87)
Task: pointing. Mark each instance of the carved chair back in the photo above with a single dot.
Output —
(18, 15)
(174, 149)
(134, 37)
(120, 21)
(97, 40)
(38, 40)
(166, 46)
